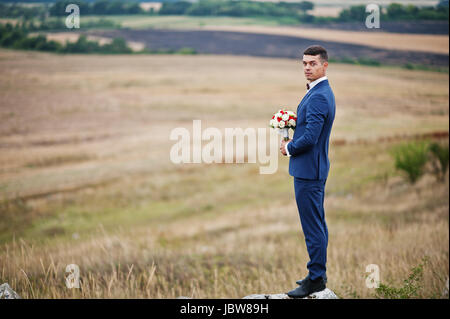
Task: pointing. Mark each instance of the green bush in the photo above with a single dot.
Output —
(411, 158)
(30, 43)
(187, 51)
(354, 13)
(348, 60)
(82, 45)
(439, 158)
(408, 66)
(410, 288)
(368, 61)
(117, 46)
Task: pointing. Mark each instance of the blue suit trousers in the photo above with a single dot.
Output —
(309, 195)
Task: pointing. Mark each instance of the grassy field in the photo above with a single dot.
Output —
(174, 21)
(85, 178)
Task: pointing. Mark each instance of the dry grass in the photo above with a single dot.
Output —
(85, 168)
(326, 11)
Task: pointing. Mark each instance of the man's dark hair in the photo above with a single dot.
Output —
(315, 50)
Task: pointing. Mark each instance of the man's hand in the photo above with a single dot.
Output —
(282, 147)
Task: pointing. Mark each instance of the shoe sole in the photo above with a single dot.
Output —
(299, 297)
(300, 283)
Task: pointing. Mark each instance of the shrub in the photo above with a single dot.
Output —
(369, 62)
(187, 51)
(410, 288)
(10, 38)
(118, 45)
(82, 45)
(30, 43)
(411, 158)
(408, 66)
(348, 60)
(439, 160)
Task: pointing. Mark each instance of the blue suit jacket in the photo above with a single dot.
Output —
(309, 145)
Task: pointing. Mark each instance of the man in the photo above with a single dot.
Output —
(309, 165)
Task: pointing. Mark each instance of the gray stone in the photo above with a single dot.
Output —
(324, 294)
(7, 293)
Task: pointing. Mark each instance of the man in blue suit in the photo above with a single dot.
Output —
(309, 165)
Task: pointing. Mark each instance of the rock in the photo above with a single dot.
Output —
(324, 294)
(7, 293)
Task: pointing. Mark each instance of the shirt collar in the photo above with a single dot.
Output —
(314, 83)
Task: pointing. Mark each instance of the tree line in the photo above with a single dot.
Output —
(297, 10)
(397, 12)
(17, 37)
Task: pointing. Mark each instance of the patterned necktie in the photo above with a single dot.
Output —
(307, 86)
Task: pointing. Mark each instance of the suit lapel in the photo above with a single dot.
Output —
(302, 102)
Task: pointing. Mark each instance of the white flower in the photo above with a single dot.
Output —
(292, 122)
(278, 115)
(281, 124)
(273, 123)
(285, 117)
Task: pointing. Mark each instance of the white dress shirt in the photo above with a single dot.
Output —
(311, 85)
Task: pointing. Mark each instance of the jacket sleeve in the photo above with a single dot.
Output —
(316, 113)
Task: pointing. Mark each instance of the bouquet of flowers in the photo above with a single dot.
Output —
(284, 120)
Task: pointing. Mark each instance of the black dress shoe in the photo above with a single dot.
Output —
(308, 287)
(299, 282)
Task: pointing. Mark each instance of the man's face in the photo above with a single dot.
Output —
(313, 67)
